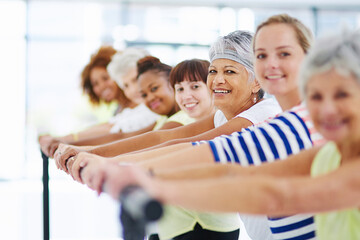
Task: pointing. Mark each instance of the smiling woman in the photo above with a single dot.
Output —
(230, 69)
(158, 94)
(323, 179)
(191, 93)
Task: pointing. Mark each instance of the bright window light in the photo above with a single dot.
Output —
(246, 20)
(227, 21)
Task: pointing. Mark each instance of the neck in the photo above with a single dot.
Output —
(206, 115)
(132, 105)
(231, 113)
(174, 110)
(289, 100)
(349, 149)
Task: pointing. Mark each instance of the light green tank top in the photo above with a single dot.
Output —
(334, 225)
(177, 221)
(180, 117)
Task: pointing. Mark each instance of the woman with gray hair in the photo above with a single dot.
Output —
(237, 95)
(135, 116)
(123, 70)
(323, 180)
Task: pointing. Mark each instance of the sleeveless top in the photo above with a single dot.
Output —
(335, 225)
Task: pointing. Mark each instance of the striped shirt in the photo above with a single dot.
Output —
(288, 133)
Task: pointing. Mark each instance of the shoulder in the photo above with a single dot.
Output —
(181, 117)
(219, 118)
(261, 111)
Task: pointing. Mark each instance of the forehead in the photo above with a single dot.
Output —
(150, 78)
(187, 81)
(129, 75)
(333, 80)
(96, 71)
(275, 35)
(223, 62)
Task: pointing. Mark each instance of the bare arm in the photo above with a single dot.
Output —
(152, 138)
(187, 156)
(110, 137)
(49, 143)
(233, 125)
(264, 194)
(298, 164)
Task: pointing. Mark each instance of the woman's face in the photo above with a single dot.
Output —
(194, 98)
(278, 56)
(157, 93)
(229, 84)
(333, 101)
(103, 86)
(131, 86)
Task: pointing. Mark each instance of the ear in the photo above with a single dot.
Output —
(256, 86)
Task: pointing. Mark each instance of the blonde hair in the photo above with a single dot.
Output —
(302, 33)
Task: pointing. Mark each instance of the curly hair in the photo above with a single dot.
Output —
(150, 63)
(100, 59)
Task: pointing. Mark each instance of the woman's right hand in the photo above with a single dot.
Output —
(63, 153)
(48, 145)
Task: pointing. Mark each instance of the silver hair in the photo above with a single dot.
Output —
(121, 63)
(235, 46)
(339, 51)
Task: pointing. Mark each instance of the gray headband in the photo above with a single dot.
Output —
(232, 55)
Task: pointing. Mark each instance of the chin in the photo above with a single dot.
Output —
(335, 137)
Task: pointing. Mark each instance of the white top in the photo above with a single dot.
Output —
(257, 114)
(286, 134)
(261, 111)
(133, 119)
(256, 226)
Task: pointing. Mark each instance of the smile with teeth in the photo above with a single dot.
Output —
(106, 93)
(190, 105)
(271, 77)
(222, 91)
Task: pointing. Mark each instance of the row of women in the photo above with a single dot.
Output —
(205, 137)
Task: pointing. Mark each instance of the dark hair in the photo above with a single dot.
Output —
(100, 59)
(150, 63)
(193, 70)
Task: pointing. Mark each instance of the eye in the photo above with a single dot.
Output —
(341, 94)
(195, 86)
(212, 71)
(143, 95)
(229, 72)
(315, 97)
(284, 54)
(126, 85)
(179, 89)
(260, 56)
(154, 89)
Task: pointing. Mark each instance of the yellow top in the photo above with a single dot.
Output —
(176, 220)
(344, 224)
(180, 117)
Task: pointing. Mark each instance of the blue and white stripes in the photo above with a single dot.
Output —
(273, 140)
(297, 227)
(277, 139)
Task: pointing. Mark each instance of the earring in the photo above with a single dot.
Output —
(255, 100)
